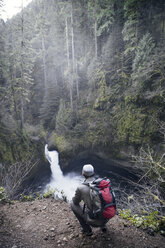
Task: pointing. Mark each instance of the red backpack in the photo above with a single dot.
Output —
(102, 198)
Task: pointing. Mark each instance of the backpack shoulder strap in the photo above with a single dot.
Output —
(87, 184)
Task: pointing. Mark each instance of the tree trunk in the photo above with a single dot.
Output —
(95, 38)
(67, 41)
(71, 97)
(77, 83)
(22, 68)
(13, 79)
(70, 78)
(44, 62)
(95, 32)
(73, 49)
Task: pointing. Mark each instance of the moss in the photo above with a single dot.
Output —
(135, 123)
(131, 126)
(59, 141)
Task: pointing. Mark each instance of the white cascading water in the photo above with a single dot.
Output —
(62, 185)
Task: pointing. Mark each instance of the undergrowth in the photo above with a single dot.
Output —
(151, 221)
(50, 193)
(4, 197)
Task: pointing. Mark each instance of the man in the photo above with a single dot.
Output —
(82, 211)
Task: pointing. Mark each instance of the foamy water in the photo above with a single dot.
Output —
(62, 185)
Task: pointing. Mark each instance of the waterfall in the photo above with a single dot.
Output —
(63, 185)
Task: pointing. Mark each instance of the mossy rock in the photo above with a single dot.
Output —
(58, 142)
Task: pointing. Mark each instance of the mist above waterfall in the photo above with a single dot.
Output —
(63, 185)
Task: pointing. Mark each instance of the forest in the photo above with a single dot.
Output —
(83, 75)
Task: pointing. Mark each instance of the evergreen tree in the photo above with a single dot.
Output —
(144, 57)
(79, 57)
(20, 57)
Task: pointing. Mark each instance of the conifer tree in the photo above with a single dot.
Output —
(20, 58)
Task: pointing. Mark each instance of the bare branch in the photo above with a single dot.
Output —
(13, 176)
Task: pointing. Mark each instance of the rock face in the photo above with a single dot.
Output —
(71, 160)
(70, 148)
(40, 175)
(103, 166)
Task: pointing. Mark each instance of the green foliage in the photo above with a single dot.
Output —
(130, 127)
(64, 119)
(98, 132)
(36, 131)
(3, 196)
(121, 92)
(102, 96)
(143, 60)
(129, 36)
(130, 27)
(49, 193)
(152, 221)
(131, 8)
(60, 141)
(125, 214)
(103, 13)
(24, 198)
(105, 16)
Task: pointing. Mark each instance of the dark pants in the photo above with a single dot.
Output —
(81, 217)
(84, 219)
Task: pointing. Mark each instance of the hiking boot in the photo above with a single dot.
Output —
(87, 232)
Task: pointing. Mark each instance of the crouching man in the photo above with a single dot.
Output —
(81, 204)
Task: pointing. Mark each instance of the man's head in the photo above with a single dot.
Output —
(87, 170)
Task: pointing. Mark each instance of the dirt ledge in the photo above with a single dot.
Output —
(49, 223)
